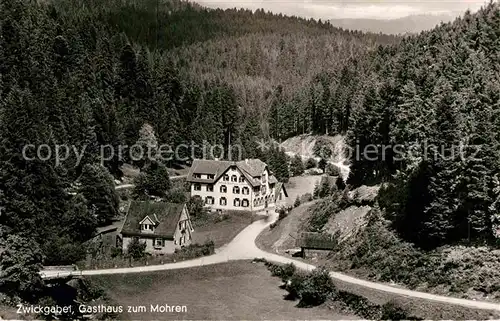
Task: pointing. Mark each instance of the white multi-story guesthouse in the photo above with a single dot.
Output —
(228, 185)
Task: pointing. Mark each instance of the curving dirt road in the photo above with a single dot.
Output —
(243, 247)
(128, 186)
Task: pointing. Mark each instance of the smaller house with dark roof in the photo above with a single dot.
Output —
(164, 227)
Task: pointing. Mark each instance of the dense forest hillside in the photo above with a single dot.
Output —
(88, 74)
(266, 59)
(434, 100)
(412, 24)
(91, 73)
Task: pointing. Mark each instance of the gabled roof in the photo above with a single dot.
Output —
(168, 215)
(279, 187)
(317, 241)
(154, 221)
(207, 166)
(252, 169)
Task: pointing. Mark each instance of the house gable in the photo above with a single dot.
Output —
(167, 216)
(147, 220)
(212, 171)
(230, 171)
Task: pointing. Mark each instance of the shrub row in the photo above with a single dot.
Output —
(316, 287)
(195, 250)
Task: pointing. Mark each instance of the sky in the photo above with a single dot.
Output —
(336, 9)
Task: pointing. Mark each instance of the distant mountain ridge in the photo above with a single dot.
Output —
(405, 25)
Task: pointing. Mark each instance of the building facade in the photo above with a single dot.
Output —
(226, 185)
(164, 227)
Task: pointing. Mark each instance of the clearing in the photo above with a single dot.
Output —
(300, 185)
(230, 291)
(282, 237)
(303, 145)
(221, 229)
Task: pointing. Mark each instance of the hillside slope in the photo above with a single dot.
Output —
(319, 146)
(411, 24)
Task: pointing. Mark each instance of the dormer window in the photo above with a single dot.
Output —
(147, 225)
(196, 176)
(211, 176)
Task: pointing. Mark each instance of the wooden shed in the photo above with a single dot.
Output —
(312, 241)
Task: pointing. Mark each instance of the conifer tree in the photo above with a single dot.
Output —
(444, 163)
(98, 188)
(297, 166)
(20, 264)
(154, 181)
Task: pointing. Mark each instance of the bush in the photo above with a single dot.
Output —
(297, 166)
(223, 217)
(311, 288)
(282, 213)
(195, 250)
(323, 189)
(285, 272)
(297, 202)
(316, 191)
(322, 164)
(294, 285)
(361, 306)
(136, 249)
(311, 163)
(306, 198)
(323, 148)
(393, 311)
(63, 251)
(195, 207)
(154, 181)
(316, 288)
(324, 209)
(332, 170)
(260, 260)
(116, 251)
(176, 195)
